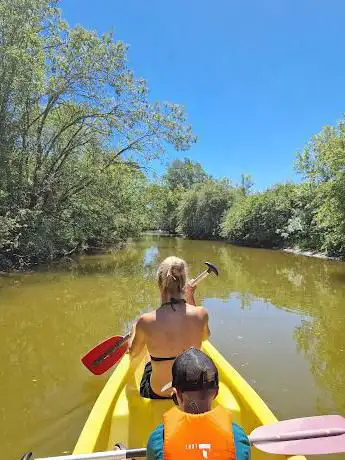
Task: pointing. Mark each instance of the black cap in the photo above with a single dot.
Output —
(193, 370)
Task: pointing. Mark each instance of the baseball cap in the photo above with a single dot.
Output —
(193, 370)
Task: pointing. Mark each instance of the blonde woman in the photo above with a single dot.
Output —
(175, 326)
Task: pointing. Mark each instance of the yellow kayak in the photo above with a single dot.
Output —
(120, 414)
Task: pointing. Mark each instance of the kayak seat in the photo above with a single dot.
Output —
(131, 410)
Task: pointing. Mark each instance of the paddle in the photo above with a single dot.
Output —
(128, 453)
(301, 436)
(107, 353)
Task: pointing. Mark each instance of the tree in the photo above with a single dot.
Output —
(70, 109)
(162, 207)
(302, 229)
(323, 163)
(246, 184)
(184, 174)
(260, 220)
(202, 207)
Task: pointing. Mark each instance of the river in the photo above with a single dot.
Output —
(278, 318)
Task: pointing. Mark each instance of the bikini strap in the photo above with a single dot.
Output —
(173, 302)
(157, 359)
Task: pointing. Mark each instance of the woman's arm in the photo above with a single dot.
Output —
(138, 341)
(189, 292)
(207, 332)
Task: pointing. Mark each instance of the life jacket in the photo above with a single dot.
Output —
(206, 436)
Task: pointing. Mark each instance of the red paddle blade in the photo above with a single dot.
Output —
(105, 355)
(302, 436)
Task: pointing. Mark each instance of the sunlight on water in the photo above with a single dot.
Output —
(278, 318)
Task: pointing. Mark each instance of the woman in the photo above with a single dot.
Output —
(174, 327)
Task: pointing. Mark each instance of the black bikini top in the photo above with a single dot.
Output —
(173, 302)
(154, 358)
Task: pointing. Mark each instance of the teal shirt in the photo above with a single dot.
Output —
(155, 443)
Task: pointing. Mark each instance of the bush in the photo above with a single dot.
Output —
(201, 209)
(260, 220)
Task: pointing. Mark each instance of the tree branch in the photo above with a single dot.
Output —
(87, 180)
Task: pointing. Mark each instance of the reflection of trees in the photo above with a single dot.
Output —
(323, 342)
(48, 321)
(52, 318)
(311, 286)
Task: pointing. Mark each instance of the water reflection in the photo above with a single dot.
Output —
(278, 317)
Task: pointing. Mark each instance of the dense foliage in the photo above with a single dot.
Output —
(71, 114)
(166, 198)
(202, 207)
(184, 174)
(259, 220)
(77, 128)
(309, 215)
(323, 164)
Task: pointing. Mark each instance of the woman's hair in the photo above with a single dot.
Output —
(172, 275)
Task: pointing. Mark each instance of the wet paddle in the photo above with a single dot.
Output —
(301, 436)
(107, 353)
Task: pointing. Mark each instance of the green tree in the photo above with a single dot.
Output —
(108, 211)
(323, 164)
(162, 207)
(184, 174)
(260, 220)
(202, 207)
(246, 184)
(302, 229)
(70, 109)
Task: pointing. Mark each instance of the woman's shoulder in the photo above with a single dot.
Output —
(198, 311)
(146, 319)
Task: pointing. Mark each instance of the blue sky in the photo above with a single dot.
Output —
(257, 77)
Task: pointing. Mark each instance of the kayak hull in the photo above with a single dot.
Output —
(121, 415)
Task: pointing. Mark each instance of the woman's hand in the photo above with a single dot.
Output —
(189, 290)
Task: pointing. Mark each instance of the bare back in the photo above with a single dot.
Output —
(167, 332)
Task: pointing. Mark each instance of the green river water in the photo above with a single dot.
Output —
(278, 318)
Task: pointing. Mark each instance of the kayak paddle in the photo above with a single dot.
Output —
(110, 454)
(107, 353)
(323, 434)
(300, 436)
(210, 269)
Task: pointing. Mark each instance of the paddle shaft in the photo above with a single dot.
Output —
(210, 268)
(114, 454)
(297, 435)
(200, 277)
(292, 436)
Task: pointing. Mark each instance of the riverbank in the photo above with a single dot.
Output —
(120, 245)
(311, 253)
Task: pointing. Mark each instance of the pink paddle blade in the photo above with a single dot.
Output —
(106, 354)
(312, 435)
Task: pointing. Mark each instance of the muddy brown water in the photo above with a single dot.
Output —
(278, 318)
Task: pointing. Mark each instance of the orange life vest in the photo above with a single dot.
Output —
(206, 436)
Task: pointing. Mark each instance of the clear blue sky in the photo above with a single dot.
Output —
(258, 77)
